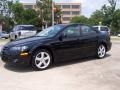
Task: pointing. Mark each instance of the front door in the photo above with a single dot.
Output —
(67, 48)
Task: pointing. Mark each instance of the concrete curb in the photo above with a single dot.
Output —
(115, 41)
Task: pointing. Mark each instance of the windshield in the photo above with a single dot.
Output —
(51, 31)
(17, 28)
(27, 28)
(96, 28)
(104, 29)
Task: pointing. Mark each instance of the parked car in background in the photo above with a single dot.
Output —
(57, 43)
(4, 34)
(22, 31)
(118, 34)
(102, 28)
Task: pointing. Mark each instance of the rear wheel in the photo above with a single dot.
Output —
(42, 60)
(101, 51)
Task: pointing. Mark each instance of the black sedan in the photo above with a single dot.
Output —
(57, 43)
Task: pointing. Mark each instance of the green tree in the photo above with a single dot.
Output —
(79, 19)
(44, 10)
(115, 25)
(109, 12)
(3, 7)
(96, 17)
(28, 15)
(17, 10)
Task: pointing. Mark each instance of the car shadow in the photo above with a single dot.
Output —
(25, 69)
(18, 68)
(65, 63)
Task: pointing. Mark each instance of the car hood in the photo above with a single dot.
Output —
(26, 41)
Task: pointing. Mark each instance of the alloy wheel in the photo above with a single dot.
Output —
(101, 51)
(42, 60)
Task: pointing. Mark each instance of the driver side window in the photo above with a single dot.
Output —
(71, 32)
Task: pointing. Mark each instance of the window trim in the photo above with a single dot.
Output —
(86, 34)
(73, 26)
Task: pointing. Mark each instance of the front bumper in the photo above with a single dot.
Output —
(14, 57)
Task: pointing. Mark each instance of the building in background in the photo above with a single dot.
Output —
(69, 10)
(29, 5)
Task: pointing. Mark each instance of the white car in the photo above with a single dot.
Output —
(22, 31)
(118, 35)
(102, 28)
(4, 34)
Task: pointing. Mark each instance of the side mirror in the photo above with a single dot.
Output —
(62, 36)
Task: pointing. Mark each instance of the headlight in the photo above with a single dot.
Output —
(20, 48)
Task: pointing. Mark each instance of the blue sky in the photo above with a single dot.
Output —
(88, 6)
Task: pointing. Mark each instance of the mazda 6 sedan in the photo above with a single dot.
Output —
(62, 42)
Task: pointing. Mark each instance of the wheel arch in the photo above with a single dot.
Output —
(104, 43)
(42, 47)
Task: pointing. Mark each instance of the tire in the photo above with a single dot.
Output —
(42, 60)
(101, 51)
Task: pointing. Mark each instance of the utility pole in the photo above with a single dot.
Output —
(52, 13)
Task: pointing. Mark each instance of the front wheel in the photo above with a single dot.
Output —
(42, 60)
(101, 51)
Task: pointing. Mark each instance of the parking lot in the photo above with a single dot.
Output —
(85, 74)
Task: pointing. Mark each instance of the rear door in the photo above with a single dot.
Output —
(88, 40)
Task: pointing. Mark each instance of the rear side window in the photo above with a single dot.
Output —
(86, 30)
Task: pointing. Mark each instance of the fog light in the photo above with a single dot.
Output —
(24, 54)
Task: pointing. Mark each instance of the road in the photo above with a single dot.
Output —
(87, 74)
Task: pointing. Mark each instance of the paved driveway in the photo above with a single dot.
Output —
(87, 74)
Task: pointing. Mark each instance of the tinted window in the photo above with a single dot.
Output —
(86, 30)
(72, 31)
